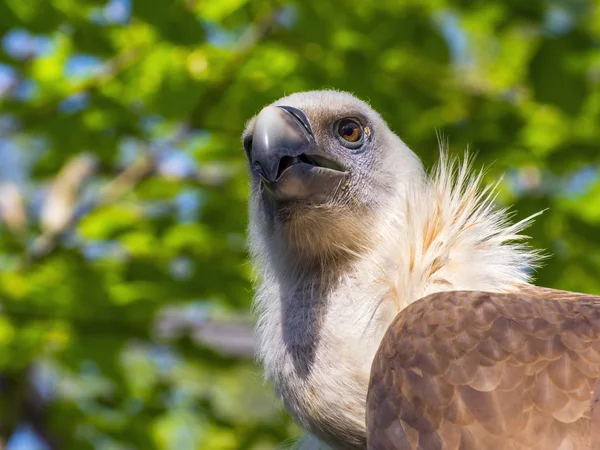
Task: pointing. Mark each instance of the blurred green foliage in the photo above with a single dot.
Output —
(124, 282)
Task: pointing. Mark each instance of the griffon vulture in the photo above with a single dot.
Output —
(395, 306)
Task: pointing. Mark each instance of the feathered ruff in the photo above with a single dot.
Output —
(440, 232)
(450, 235)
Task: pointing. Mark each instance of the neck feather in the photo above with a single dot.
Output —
(318, 334)
(449, 235)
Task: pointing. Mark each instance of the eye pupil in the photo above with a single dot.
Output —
(350, 130)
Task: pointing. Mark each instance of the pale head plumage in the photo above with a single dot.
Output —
(332, 276)
(315, 234)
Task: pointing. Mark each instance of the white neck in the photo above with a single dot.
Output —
(317, 337)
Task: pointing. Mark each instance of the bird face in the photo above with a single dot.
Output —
(306, 152)
(288, 161)
(321, 158)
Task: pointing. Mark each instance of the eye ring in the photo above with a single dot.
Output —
(350, 133)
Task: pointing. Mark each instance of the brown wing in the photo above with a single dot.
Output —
(482, 371)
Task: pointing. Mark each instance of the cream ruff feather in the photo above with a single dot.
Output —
(441, 233)
(452, 237)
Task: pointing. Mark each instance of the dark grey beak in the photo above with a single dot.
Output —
(280, 132)
(285, 156)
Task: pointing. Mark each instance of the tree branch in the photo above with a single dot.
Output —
(109, 70)
(233, 337)
(241, 53)
(124, 182)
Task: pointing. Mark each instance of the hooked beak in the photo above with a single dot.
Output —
(285, 156)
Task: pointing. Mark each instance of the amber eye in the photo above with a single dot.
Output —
(350, 131)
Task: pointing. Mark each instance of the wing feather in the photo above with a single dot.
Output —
(489, 371)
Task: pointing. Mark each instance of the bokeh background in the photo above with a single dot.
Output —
(125, 288)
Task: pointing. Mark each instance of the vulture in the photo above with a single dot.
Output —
(395, 305)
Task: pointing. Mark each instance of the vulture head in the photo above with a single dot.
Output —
(322, 165)
(346, 230)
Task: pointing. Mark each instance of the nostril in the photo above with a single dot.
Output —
(300, 117)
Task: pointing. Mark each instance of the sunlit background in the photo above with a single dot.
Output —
(124, 284)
